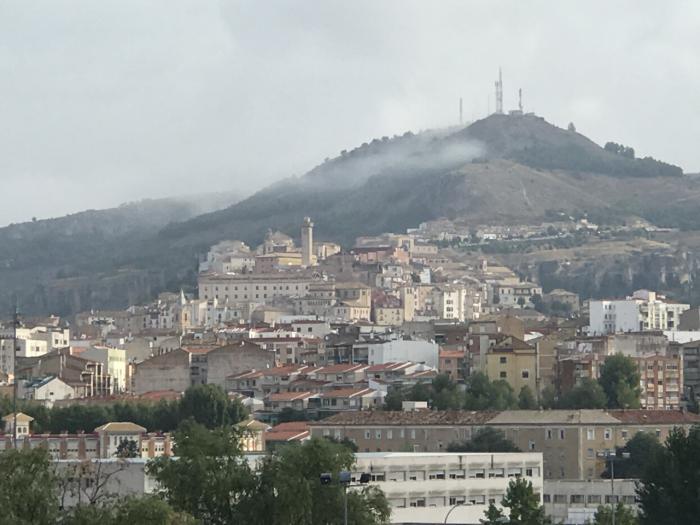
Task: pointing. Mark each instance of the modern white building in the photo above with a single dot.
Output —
(400, 350)
(46, 390)
(575, 502)
(643, 310)
(114, 361)
(424, 487)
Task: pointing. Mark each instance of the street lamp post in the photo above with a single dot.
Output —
(612, 457)
(345, 480)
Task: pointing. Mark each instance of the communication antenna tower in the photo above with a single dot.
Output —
(520, 99)
(499, 93)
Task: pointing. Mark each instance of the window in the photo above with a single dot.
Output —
(503, 360)
(589, 453)
(549, 433)
(531, 445)
(503, 375)
(594, 498)
(378, 434)
(389, 434)
(590, 434)
(546, 498)
(624, 434)
(560, 498)
(577, 498)
(607, 434)
(561, 433)
(367, 434)
(528, 472)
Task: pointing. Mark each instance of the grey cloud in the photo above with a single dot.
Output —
(111, 101)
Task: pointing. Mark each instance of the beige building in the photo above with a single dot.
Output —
(661, 381)
(513, 360)
(170, 371)
(236, 358)
(570, 440)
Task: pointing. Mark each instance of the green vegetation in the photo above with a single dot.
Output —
(487, 439)
(623, 515)
(207, 404)
(212, 481)
(668, 490)
(643, 449)
(444, 394)
(523, 507)
(587, 394)
(619, 377)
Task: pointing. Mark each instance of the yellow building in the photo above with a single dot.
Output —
(513, 360)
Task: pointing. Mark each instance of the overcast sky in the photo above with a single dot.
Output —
(103, 102)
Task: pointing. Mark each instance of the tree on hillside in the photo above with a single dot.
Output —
(624, 515)
(587, 394)
(289, 488)
(483, 394)
(127, 448)
(210, 479)
(668, 488)
(526, 399)
(394, 398)
(619, 377)
(26, 497)
(523, 507)
(486, 439)
(210, 406)
(643, 449)
(445, 394)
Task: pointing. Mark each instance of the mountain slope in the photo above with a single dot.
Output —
(500, 169)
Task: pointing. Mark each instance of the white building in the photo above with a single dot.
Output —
(643, 310)
(46, 390)
(114, 361)
(424, 487)
(400, 350)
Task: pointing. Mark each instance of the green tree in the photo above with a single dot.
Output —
(623, 515)
(482, 394)
(643, 449)
(210, 406)
(394, 398)
(127, 448)
(26, 497)
(486, 439)
(587, 394)
(210, 479)
(619, 377)
(523, 506)
(289, 488)
(668, 488)
(526, 399)
(445, 394)
(549, 397)
(149, 510)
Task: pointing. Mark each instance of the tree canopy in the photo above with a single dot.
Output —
(523, 506)
(669, 487)
(486, 439)
(619, 377)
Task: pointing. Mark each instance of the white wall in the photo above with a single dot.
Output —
(400, 350)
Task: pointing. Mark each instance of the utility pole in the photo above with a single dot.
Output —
(15, 322)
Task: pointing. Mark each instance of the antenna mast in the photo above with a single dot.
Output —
(499, 93)
(520, 99)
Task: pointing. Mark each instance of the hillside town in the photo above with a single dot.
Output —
(400, 345)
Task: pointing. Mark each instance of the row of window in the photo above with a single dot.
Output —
(593, 499)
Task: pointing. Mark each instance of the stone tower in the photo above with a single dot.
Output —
(307, 242)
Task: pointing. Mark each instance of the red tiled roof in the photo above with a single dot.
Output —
(297, 426)
(289, 396)
(655, 417)
(452, 353)
(388, 367)
(156, 395)
(419, 418)
(347, 392)
(289, 435)
(337, 369)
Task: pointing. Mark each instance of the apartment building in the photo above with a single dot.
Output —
(422, 488)
(643, 310)
(512, 360)
(255, 287)
(569, 440)
(661, 381)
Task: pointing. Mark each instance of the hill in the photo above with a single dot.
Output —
(498, 170)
